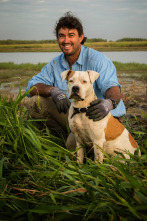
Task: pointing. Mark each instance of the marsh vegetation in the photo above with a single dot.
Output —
(41, 180)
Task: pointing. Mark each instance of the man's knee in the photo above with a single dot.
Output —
(44, 108)
(34, 107)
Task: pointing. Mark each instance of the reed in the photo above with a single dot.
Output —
(41, 180)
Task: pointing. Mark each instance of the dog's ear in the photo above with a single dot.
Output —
(93, 75)
(64, 75)
(67, 74)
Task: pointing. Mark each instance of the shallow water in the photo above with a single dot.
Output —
(45, 57)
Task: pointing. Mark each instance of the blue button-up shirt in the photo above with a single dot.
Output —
(89, 59)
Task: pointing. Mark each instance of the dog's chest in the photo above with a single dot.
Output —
(87, 129)
(79, 122)
(81, 126)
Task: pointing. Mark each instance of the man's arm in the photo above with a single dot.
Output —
(41, 89)
(100, 108)
(114, 93)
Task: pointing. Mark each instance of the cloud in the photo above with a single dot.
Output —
(78, 1)
(4, 0)
(122, 9)
(141, 11)
(117, 0)
(41, 1)
(99, 17)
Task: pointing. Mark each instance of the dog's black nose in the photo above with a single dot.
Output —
(75, 89)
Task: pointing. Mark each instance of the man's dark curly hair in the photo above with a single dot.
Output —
(71, 22)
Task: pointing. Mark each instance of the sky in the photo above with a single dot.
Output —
(107, 19)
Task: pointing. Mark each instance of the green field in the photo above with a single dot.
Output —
(53, 47)
(11, 71)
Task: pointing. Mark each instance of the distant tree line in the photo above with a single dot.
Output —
(12, 42)
(96, 40)
(131, 39)
(9, 42)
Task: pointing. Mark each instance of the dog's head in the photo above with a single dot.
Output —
(79, 83)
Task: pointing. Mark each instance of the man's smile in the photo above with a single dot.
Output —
(67, 45)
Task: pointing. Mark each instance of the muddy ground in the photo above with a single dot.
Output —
(134, 95)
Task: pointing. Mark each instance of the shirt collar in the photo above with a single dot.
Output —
(79, 61)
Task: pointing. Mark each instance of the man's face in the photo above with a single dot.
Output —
(69, 41)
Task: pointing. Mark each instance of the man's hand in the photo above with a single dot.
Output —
(60, 99)
(99, 109)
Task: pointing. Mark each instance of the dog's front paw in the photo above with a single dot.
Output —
(98, 155)
(80, 155)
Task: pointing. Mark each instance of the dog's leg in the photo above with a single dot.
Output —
(80, 154)
(98, 154)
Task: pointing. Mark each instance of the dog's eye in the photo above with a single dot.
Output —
(70, 81)
(84, 82)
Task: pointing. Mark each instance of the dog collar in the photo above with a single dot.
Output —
(79, 110)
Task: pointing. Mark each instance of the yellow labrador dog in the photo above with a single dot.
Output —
(107, 134)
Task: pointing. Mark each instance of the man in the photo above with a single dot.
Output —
(53, 96)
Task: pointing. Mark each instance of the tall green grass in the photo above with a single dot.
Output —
(41, 180)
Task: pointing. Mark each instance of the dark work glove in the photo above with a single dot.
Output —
(60, 99)
(99, 109)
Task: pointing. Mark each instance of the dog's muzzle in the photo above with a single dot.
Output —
(75, 93)
(75, 89)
